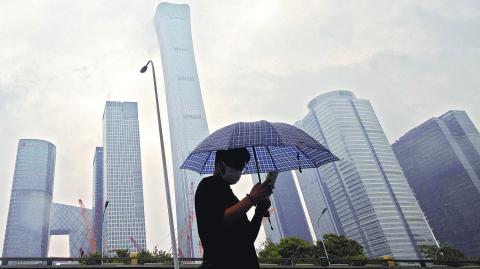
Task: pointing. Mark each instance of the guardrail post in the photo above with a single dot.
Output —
(134, 258)
(389, 260)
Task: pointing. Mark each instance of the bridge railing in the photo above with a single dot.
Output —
(319, 262)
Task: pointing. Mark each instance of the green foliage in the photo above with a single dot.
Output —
(269, 250)
(124, 255)
(154, 256)
(357, 260)
(341, 247)
(428, 251)
(443, 255)
(92, 259)
(294, 248)
(338, 247)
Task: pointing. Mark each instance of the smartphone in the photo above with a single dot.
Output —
(271, 178)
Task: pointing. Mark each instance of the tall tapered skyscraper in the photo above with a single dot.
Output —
(287, 215)
(441, 159)
(186, 114)
(124, 223)
(27, 232)
(366, 193)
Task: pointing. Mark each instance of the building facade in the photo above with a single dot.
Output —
(67, 220)
(441, 160)
(27, 231)
(366, 194)
(98, 203)
(186, 114)
(124, 223)
(287, 215)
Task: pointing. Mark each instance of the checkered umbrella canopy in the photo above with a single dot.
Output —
(276, 146)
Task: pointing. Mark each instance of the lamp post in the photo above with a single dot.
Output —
(323, 244)
(165, 173)
(103, 223)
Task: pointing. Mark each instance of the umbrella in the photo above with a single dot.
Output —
(274, 146)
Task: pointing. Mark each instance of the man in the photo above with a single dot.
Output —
(226, 233)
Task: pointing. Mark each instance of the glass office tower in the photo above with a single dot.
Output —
(98, 203)
(366, 193)
(124, 224)
(287, 215)
(27, 231)
(186, 114)
(441, 160)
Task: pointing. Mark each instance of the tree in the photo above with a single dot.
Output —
(340, 246)
(92, 259)
(269, 250)
(294, 247)
(443, 255)
(124, 255)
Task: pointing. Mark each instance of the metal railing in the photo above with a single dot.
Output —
(266, 263)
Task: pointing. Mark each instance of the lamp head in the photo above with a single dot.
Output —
(144, 69)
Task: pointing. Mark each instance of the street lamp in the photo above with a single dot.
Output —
(323, 244)
(103, 224)
(165, 173)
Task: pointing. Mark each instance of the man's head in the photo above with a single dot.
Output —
(230, 163)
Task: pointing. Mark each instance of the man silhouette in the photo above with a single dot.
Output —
(226, 234)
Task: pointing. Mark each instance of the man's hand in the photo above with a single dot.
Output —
(262, 208)
(260, 192)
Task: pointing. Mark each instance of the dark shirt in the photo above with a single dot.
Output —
(224, 246)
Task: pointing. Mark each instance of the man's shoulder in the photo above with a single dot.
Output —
(209, 182)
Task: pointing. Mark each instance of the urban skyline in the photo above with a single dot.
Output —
(60, 225)
(243, 62)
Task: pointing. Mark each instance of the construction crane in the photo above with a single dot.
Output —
(88, 227)
(134, 242)
(187, 229)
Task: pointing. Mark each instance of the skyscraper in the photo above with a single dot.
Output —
(98, 202)
(27, 231)
(67, 220)
(441, 160)
(288, 217)
(186, 114)
(366, 194)
(124, 221)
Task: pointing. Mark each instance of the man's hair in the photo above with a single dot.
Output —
(235, 157)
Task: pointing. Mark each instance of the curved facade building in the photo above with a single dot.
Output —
(366, 192)
(27, 232)
(186, 114)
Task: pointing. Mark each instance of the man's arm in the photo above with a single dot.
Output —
(236, 211)
(256, 222)
(258, 193)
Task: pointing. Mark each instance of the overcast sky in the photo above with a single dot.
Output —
(265, 59)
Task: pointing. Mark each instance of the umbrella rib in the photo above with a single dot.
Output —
(271, 156)
(206, 161)
(308, 158)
